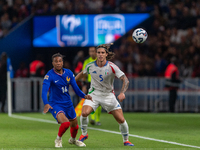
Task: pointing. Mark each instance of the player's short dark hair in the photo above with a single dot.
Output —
(57, 55)
(107, 47)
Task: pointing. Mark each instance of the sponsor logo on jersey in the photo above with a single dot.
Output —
(94, 72)
(46, 77)
(56, 81)
(68, 79)
(106, 72)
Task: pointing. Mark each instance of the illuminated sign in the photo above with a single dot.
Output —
(82, 30)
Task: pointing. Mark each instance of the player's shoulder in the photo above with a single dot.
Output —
(90, 64)
(112, 64)
(68, 72)
(49, 74)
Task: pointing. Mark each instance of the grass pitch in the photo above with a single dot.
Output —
(181, 129)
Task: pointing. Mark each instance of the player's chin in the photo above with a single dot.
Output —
(101, 59)
(58, 68)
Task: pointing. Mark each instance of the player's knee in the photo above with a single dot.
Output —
(121, 120)
(85, 114)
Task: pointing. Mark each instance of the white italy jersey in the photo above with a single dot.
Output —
(102, 77)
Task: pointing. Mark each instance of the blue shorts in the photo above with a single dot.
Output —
(68, 111)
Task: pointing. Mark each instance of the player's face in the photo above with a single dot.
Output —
(92, 52)
(101, 54)
(57, 63)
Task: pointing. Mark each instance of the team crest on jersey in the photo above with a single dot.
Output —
(68, 79)
(54, 112)
(46, 77)
(106, 72)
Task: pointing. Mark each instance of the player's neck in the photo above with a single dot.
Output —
(93, 58)
(101, 63)
(59, 71)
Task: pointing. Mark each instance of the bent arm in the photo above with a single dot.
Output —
(125, 84)
(79, 76)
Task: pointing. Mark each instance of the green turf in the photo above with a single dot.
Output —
(181, 128)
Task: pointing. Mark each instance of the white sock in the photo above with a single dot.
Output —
(84, 123)
(59, 138)
(74, 139)
(123, 127)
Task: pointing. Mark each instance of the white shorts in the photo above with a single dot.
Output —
(108, 101)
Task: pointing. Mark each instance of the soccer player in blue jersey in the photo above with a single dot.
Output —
(57, 82)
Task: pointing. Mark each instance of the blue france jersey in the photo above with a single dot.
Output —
(58, 85)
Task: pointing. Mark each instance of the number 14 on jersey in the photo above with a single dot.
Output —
(64, 89)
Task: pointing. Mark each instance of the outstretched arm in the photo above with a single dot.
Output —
(121, 96)
(78, 91)
(45, 89)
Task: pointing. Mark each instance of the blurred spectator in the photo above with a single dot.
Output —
(149, 70)
(1, 32)
(6, 23)
(78, 62)
(14, 21)
(67, 65)
(160, 65)
(23, 12)
(175, 28)
(22, 72)
(3, 80)
(186, 68)
(37, 67)
(172, 82)
(196, 70)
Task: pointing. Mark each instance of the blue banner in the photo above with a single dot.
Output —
(82, 30)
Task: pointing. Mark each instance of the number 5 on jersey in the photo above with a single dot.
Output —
(64, 89)
(100, 76)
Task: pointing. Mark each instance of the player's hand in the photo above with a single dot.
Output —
(46, 108)
(121, 97)
(88, 97)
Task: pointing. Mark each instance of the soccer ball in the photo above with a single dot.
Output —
(139, 35)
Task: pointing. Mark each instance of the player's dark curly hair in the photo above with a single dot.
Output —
(107, 47)
(57, 55)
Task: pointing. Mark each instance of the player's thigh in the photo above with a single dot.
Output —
(61, 118)
(89, 106)
(58, 113)
(86, 110)
(110, 103)
(70, 113)
(118, 115)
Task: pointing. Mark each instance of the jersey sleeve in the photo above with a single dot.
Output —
(45, 88)
(75, 86)
(118, 73)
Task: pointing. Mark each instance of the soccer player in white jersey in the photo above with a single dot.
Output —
(101, 90)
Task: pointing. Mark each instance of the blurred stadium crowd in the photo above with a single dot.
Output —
(175, 30)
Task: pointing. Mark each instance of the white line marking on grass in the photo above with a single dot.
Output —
(103, 130)
(146, 138)
(33, 119)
